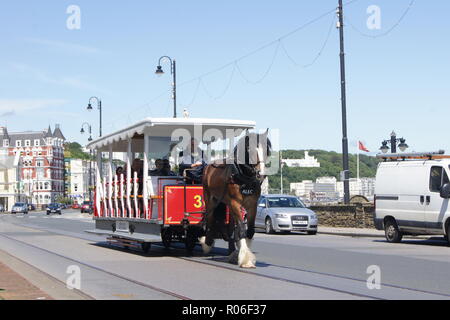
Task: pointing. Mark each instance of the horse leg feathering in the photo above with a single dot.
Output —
(206, 248)
(246, 258)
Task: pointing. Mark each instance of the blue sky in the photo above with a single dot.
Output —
(399, 81)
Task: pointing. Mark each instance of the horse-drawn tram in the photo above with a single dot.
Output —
(145, 198)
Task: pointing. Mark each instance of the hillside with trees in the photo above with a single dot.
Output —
(330, 166)
(74, 150)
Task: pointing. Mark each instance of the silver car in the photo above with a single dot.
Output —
(285, 213)
(19, 207)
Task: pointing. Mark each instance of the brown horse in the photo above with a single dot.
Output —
(236, 184)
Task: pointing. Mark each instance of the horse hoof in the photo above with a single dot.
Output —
(205, 247)
(233, 257)
(248, 265)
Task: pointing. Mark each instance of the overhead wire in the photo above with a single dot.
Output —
(317, 56)
(235, 65)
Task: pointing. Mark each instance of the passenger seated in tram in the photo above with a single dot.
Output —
(192, 163)
(119, 171)
(159, 166)
(162, 169)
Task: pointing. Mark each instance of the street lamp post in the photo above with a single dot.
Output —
(345, 160)
(90, 156)
(99, 106)
(393, 142)
(173, 70)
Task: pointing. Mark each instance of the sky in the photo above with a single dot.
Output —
(274, 62)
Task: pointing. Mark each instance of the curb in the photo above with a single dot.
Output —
(351, 234)
(368, 235)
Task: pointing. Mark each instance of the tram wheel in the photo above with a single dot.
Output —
(166, 236)
(146, 246)
(190, 241)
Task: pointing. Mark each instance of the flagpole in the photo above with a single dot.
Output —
(357, 164)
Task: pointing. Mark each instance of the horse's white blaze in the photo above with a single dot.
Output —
(205, 247)
(246, 258)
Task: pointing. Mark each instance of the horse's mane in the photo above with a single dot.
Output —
(244, 144)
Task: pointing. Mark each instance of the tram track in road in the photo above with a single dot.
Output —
(81, 263)
(191, 260)
(213, 261)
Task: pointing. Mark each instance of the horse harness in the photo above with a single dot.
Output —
(243, 175)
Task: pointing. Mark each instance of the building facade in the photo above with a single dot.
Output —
(328, 189)
(41, 173)
(77, 179)
(10, 190)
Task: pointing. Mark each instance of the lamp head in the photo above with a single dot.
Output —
(89, 107)
(384, 148)
(82, 130)
(403, 146)
(159, 71)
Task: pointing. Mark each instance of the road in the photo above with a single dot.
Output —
(289, 266)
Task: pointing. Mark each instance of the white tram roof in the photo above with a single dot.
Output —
(164, 127)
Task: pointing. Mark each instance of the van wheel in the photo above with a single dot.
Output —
(392, 232)
(447, 233)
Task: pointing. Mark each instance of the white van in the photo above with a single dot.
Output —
(412, 195)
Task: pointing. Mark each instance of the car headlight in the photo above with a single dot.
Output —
(281, 215)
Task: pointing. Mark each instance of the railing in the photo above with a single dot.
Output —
(119, 197)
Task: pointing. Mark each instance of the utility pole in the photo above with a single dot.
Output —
(340, 13)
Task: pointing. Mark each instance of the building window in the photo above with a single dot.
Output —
(6, 143)
(27, 143)
(36, 142)
(18, 143)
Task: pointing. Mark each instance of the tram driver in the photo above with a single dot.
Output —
(192, 162)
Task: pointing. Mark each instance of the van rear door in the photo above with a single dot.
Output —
(400, 187)
(435, 206)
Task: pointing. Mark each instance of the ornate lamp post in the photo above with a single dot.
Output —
(82, 131)
(393, 142)
(99, 106)
(173, 70)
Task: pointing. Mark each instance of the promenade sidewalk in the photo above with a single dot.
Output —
(14, 287)
(21, 281)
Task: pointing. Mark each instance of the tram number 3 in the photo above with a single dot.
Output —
(198, 202)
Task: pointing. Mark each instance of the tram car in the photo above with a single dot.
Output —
(135, 208)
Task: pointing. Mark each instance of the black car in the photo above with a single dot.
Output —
(54, 208)
(31, 207)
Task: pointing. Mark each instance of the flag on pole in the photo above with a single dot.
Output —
(362, 147)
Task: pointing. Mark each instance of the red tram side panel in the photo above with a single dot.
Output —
(181, 199)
